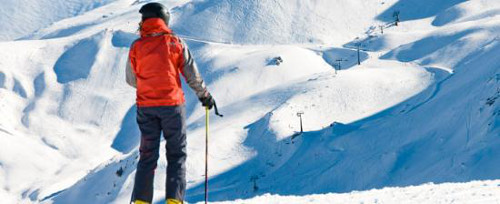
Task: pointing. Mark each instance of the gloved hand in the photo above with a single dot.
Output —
(207, 101)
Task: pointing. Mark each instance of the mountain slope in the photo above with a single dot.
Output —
(276, 22)
(19, 18)
(422, 107)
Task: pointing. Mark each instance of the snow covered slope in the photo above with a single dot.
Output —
(422, 107)
(281, 21)
(19, 18)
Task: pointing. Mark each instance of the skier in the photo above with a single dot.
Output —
(156, 61)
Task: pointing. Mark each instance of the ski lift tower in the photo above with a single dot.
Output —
(358, 45)
(299, 114)
(339, 61)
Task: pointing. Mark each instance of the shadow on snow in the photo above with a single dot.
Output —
(417, 9)
(129, 135)
(78, 60)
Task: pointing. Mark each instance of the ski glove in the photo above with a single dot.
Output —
(207, 101)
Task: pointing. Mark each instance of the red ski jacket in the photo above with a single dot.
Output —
(155, 64)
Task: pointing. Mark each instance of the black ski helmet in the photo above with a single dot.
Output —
(155, 10)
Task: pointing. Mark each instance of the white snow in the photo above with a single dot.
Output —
(278, 21)
(471, 192)
(422, 106)
(19, 18)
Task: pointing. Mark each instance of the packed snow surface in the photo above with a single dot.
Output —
(471, 192)
(422, 106)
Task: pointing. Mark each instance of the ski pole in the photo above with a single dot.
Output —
(207, 113)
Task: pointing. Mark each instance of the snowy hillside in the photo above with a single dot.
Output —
(422, 107)
(277, 22)
(19, 18)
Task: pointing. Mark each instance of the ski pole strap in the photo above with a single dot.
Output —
(217, 111)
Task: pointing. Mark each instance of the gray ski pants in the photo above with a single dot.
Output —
(171, 120)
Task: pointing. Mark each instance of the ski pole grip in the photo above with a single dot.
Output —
(217, 111)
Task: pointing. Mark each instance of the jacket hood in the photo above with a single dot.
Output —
(154, 26)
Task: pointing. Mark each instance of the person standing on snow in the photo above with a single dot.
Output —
(156, 61)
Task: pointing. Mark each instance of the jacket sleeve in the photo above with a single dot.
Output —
(130, 75)
(191, 73)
